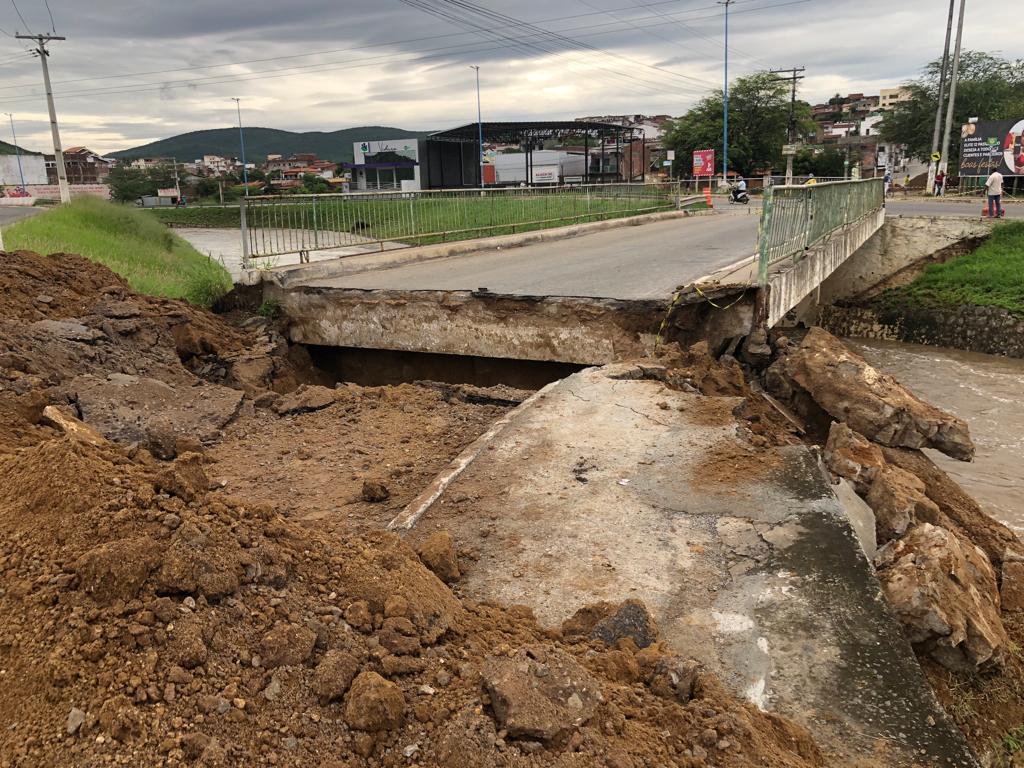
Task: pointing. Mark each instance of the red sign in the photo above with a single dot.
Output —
(704, 162)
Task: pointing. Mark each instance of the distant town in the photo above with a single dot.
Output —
(849, 124)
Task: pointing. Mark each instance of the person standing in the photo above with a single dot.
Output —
(994, 189)
(940, 183)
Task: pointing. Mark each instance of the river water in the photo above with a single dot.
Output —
(986, 391)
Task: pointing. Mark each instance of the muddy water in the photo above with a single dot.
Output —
(986, 391)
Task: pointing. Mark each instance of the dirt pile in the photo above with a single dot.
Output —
(152, 616)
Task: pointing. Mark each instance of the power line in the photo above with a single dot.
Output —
(27, 28)
(53, 24)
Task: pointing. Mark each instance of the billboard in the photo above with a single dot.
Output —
(704, 162)
(992, 145)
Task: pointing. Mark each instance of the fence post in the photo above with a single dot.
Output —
(245, 234)
(763, 245)
(316, 228)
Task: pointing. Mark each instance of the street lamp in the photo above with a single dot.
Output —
(17, 151)
(241, 141)
(479, 123)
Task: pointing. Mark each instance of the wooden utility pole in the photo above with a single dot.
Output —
(58, 153)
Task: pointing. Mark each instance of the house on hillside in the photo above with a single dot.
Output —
(83, 166)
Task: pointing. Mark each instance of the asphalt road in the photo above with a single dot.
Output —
(925, 208)
(9, 215)
(643, 262)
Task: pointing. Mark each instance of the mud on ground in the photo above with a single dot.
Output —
(151, 614)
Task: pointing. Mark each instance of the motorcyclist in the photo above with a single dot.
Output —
(739, 188)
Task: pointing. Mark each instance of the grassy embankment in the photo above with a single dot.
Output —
(459, 217)
(991, 276)
(151, 258)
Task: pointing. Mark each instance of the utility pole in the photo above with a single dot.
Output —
(17, 151)
(245, 180)
(725, 93)
(953, 76)
(58, 153)
(794, 76)
(479, 123)
(933, 165)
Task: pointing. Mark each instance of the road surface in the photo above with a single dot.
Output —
(643, 262)
(971, 209)
(11, 214)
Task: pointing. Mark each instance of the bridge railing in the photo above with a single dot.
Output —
(278, 225)
(796, 218)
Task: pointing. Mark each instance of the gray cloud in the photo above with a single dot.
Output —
(384, 62)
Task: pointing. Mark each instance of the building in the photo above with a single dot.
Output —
(32, 168)
(146, 163)
(277, 163)
(388, 164)
(322, 168)
(83, 166)
(890, 97)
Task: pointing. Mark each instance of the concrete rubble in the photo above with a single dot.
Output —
(870, 402)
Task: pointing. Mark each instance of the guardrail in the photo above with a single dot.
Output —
(795, 218)
(274, 226)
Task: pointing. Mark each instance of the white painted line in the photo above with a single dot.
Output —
(415, 509)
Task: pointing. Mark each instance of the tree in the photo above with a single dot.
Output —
(827, 162)
(314, 184)
(989, 88)
(128, 184)
(758, 124)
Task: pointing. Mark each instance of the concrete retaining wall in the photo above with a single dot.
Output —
(989, 330)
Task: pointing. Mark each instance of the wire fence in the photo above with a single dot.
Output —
(274, 226)
(795, 218)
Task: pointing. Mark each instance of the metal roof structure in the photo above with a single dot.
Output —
(520, 132)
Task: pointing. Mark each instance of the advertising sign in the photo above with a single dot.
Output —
(704, 162)
(992, 145)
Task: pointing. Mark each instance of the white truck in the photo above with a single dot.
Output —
(550, 166)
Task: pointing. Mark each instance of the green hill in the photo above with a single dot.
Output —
(8, 149)
(259, 142)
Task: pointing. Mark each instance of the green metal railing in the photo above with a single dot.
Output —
(795, 218)
(274, 226)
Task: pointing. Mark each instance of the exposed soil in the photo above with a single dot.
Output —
(313, 465)
(151, 615)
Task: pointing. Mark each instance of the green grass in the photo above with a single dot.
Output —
(429, 218)
(991, 276)
(136, 246)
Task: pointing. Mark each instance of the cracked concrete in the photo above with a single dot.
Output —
(755, 571)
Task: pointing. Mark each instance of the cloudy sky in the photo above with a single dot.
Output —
(133, 71)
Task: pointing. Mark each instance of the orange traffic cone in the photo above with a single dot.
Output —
(707, 196)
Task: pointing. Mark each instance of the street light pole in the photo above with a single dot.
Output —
(241, 141)
(725, 92)
(479, 123)
(17, 151)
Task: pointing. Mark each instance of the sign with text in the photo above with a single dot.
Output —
(704, 162)
(992, 145)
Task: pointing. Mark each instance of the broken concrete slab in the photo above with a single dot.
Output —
(744, 558)
(870, 402)
(137, 409)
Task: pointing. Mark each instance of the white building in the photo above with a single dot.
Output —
(387, 164)
(32, 166)
(890, 97)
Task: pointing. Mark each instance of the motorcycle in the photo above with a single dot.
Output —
(738, 196)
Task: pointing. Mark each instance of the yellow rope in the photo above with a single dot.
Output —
(675, 300)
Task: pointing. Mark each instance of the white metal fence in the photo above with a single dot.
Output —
(280, 225)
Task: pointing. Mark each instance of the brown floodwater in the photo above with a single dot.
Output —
(986, 391)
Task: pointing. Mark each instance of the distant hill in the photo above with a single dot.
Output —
(259, 142)
(8, 149)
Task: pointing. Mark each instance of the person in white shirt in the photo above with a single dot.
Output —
(994, 189)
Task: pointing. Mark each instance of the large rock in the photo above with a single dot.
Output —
(117, 570)
(612, 622)
(437, 552)
(307, 398)
(287, 645)
(898, 500)
(870, 402)
(540, 694)
(943, 589)
(851, 455)
(1012, 591)
(962, 512)
(374, 704)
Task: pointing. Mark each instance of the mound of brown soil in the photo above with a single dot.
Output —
(146, 619)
